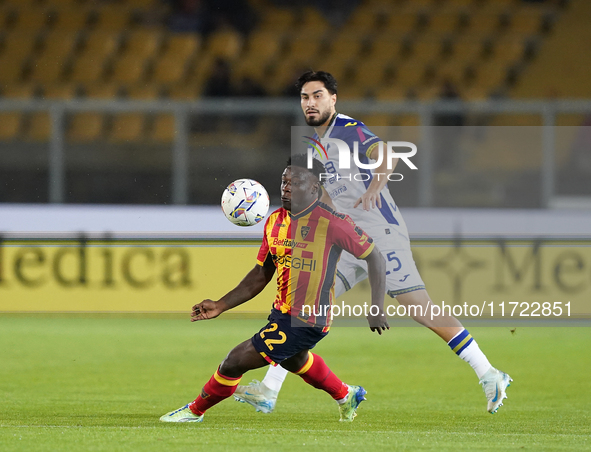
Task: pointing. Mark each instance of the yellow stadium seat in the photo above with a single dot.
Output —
(452, 70)
(490, 75)
(39, 127)
(102, 90)
(127, 127)
(410, 73)
(276, 19)
(19, 44)
(338, 65)
(11, 69)
(185, 92)
(386, 47)
(143, 92)
(371, 73)
(468, 48)
(225, 43)
(509, 49)
(62, 91)
(19, 91)
(378, 120)
(87, 69)
(50, 65)
(142, 43)
(263, 46)
(460, 3)
(71, 19)
(391, 92)
(31, 19)
(305, 47)
(401, 22)
(362, 20)
(129, 69)
(113, 18)
(101, 44)
(426, 49)
(183, 45)
(311, 21)
(483, 22)
(169, 69)
(85, 127)
(527, 21)
(443, 22)
(10, 125)
(347, 43)
(163, 129)
(248, 68)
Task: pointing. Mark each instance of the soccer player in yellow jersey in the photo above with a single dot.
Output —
(303, 241)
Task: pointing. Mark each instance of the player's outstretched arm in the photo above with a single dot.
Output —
(252, 284)
(376, 266)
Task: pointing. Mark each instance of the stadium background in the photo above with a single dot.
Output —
(157, 103)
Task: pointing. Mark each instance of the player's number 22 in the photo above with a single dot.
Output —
(269, 342)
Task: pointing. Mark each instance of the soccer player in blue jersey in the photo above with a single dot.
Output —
(367, 200)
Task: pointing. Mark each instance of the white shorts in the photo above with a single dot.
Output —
(402, 275)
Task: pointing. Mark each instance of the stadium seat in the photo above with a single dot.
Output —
(483, 22)
(50, 65)
(304, 47)
(127, 127)
(263, 46)
(371, 73)
(19, 91)
(311, 21)
(31, 19)
(89, 65)
(346, 44)
(467, 48)
(39, 127)
(163, 128)
(102, 90)
(60, 91)
(338, 64)
(527, 21)
(400, 22)
(363, 20)
(225, 43)
(391, 92)
(113, 18)
(387, 46)
(410, 73)
(443, 23)
(453, 70)
(142, 43)
(426, 49)
(276, 19)
(85, 127)
(169, 69)
(129, 69)
(491, 75)
(509, 49)
(183, 45)
(143, 92)
(10, 125)
(71, 19)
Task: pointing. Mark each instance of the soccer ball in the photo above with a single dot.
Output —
(245, 202)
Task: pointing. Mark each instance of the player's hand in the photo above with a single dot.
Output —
(206, 310)
(378, 323)
(369, 200)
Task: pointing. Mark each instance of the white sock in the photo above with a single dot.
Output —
(274, 378)
(464, 345)
(478, 360)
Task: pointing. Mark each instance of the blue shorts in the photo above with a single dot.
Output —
(279, 340)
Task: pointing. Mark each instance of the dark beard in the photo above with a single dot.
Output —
(318, 122)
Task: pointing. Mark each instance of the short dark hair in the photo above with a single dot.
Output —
(301, 161)
(330, 83)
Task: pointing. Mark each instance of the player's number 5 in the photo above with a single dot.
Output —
(269, 342)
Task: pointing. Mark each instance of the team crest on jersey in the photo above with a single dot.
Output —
(304, 231)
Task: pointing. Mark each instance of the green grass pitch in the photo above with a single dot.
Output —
(101, 383)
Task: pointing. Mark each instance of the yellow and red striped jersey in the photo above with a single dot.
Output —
(305, 249)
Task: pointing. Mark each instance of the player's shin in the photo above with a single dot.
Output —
(316, 373)
(218, 388)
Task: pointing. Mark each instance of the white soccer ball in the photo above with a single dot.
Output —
(245, 202)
